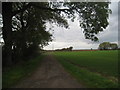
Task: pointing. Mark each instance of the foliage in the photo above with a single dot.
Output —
(92, 16)
(27, 23)
(114, 46)
(107, 45)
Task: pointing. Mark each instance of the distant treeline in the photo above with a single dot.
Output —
(65, 49)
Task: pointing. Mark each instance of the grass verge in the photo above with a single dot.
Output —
(18, 72)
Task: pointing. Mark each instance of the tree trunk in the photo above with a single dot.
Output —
(7, 31)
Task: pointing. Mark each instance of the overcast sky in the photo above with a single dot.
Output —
(64, 38)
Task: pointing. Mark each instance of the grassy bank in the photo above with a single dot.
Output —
(18, 72)
(94, 68)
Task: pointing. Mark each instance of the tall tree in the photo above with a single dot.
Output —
(25, 17)
(7, 31)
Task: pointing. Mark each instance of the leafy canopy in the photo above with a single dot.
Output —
(93, 16)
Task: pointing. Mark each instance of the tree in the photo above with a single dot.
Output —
(31, 35)
(107, 45)
(114, 46)
(104, 46)
(26, 19)
(70, 48)
(7, 32)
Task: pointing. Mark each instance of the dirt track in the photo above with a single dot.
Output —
(50, 74)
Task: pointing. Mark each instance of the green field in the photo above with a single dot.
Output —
(92, 68)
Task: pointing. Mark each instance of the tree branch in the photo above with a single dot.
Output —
(21, 10)
(50, 9)
(39, 7)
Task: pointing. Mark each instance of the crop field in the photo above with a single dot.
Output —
(91, 68)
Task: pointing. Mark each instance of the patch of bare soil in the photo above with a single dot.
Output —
(50, 74)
